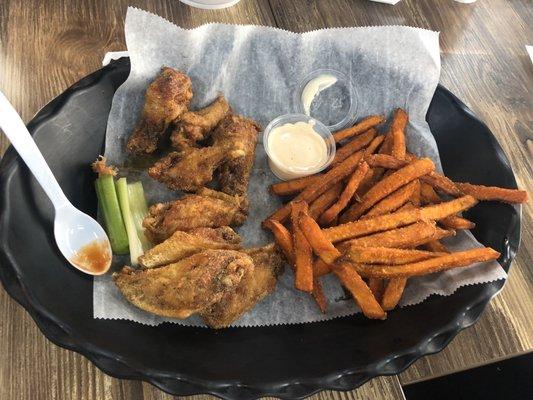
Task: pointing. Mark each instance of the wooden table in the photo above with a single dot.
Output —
(45, 46)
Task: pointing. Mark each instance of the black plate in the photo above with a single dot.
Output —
(285, 361)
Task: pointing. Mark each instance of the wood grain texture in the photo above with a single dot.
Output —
(47, 46)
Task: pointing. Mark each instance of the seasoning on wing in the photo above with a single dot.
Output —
(194, 126)
(233, 150)
(183, 244)
(188, 170)
(206, 208)
(254, 286)
(242, 132)
(189, 286)
(167, 98)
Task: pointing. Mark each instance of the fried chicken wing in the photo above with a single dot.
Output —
(255, 285)
(188, 170)
(207, 208)
(189, 286)
(233, 151)
(194, 126)
(183, 244)
(167, 98)
(242, 133)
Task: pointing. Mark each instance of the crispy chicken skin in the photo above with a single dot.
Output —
(167, 98)
(194, 126)
(183, 244)
(254, 286)
(233, 151)
(188, 170)
(191, 285)
(206, 208)
(235, 171)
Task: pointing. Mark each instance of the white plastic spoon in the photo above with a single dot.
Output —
(73, 229)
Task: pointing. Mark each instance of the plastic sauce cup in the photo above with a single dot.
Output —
(287, 172)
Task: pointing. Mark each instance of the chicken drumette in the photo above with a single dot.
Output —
(167, 98)
(234, 173)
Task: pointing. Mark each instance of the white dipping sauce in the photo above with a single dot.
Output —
(314, 87)
(296, 150)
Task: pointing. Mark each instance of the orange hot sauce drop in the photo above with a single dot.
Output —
(93, 257)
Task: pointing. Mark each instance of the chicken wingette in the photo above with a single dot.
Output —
(183, 244)
(187, 287)
(206, 208)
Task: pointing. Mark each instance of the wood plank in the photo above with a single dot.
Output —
(47, 46)
(382, 388)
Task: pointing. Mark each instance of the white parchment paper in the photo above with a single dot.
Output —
(258, 70)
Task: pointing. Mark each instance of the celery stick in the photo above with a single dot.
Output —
(139, 210)
(110, 209)
(136, 248)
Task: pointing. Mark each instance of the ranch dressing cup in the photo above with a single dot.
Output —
(298, 145)
(328, 96)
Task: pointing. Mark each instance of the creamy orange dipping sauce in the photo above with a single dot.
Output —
(296, 150)
(93, 257)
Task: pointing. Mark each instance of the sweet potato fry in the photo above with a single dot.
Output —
(283, 239)
(407, 236)
(385, 255)
(325, 200)
(376, 286)
(384, 161)
(363, 296)
(352, 146)
(480, 192)
(388, 185)
(371, 178)
(347, 194)
(428, 194)
(318, 295)
(321, 246)
(429, 266)
(294, 186)
(406, 206)
(393, 201)
(433, 178)
(400, 218)
(386, 147)
(416, 197)
(399, 122)
(392, 293)
(362, 126)
(303, 262)
(374, 144)
(457, 222)
(435, 246)
(439, 234)
(442, 183)
(320, 268)
(310, 193)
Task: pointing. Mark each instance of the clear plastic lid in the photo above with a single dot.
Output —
(210, 4)
(328, 96)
